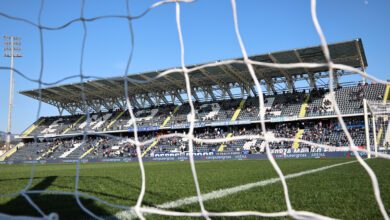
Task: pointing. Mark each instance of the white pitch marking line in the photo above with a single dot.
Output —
(128, 214)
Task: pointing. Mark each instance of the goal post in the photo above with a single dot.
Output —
(367, 128)
(377, 114)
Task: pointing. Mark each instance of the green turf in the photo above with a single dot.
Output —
(343, 192)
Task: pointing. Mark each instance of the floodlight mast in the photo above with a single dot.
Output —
(11, 49)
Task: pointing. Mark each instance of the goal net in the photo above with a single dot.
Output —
(378, 131)
(140, 210)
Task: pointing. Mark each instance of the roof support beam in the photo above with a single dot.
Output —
(247, 88)
(154, 97)
(162, 96)
(158, 97)
(71, 108)
(312, 79)
(43, 98)
(109, 104)
(209, 90)
(178, 96)
(289, 80)
(70, 94)
(95, 105)
(119, 92)
(159, 86)
(142, 100)
(175, 94)
(83, 108)
(86, 92)
(121, 103)
(210, 76)
(360, 58)
(268, 81)
(231, 71)
(194, 94)
(137, 85)
(336, 79)
(148, 99)
(112, 90)
(53, 91)
(178, 83)
(134, 102)
(224, 93)
(206, 95)
(252, 87)
(173, 97)
(183, 86)
(226, 90)
(59, 107)
(242, 92)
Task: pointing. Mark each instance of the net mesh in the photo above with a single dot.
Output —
(379, 113)
(139, 210)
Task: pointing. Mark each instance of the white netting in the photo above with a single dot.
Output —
(378, 121)
(139, 210)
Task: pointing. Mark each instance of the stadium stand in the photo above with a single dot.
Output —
(305, 113)
(324, 131)
(281, 105)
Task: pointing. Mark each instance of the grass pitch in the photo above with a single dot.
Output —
(341, 192)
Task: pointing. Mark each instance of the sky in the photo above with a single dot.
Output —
(208, 33)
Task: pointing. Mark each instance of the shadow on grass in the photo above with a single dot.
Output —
(65, 206)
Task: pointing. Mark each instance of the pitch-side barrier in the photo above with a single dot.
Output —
(198, 156)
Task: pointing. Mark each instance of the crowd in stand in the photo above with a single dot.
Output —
(283, 104)
(325, 131)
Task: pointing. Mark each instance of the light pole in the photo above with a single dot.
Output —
(11, 49)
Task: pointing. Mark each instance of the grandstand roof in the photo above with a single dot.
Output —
(349, 53)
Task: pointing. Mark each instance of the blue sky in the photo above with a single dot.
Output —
(208, 33)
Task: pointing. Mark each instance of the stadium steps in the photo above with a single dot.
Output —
(223, 145)
(387, 92)
(238, 110)
(162, 125)
(94, 146)
(70, 151)
(32, 128)
(385, 98)
(234, 118)
(11, 151)
(169, 117)
(297, 137)
(304, 105)
(81, 149)
(74, 124)
(51, 150)
(113, 121)
(149, 148)
(87, 152)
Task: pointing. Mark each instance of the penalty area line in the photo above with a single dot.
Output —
(128, 214)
